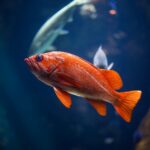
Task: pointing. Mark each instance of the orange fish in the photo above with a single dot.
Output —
(70, 74)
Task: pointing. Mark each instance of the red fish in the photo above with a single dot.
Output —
(70, 74)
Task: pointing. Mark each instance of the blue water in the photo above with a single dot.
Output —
(31, 117)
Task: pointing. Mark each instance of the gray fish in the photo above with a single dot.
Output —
(100, 60)
(53, 27)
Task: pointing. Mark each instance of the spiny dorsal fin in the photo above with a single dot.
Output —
(99, 106)
(64, 97)
(113, 78)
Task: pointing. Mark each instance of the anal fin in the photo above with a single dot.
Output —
(99, 106)
(64, 97)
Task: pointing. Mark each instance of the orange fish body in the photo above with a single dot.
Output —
(70, 74)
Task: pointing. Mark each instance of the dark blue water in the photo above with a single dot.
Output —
(31, 117)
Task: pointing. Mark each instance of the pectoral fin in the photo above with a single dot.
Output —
(64, 97)
(99, 106)
(50, 48)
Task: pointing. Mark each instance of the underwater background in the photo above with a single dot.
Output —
(31, 116)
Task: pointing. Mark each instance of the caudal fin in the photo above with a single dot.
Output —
(126, 103)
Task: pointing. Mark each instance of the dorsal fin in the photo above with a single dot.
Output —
(113, 78)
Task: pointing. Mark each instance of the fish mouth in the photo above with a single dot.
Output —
(33, 66)
(27, 61)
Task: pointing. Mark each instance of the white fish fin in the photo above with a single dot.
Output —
(50, 48)
(110, 66)
(63, 32)
(70, 19)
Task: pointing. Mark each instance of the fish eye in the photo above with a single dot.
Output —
(39, 57)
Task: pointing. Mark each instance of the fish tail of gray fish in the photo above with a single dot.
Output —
(100, 59)
(110, 66)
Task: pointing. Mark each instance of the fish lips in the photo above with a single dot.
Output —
(32, 65)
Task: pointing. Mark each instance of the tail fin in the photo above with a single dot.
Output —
(110, 66)
(126, 103)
